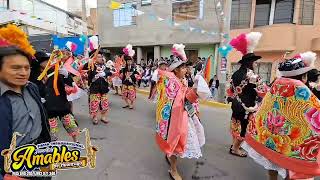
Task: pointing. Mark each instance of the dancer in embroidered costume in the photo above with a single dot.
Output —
(284, 136)
(116, 79)
(243, 87)
(55, 77)
(98, 74)
(162, 66)
(179, 132)
(129, 78)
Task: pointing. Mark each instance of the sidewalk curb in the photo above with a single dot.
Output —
(206, 103)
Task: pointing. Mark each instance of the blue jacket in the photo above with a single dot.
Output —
(6, 121)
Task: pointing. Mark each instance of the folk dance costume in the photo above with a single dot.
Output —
(74, 92)
(162, 65)
(116, 78)
(243, 90)
(55, 99)
(179, 132)
(98, 74)
(285, 135)
(129, 78)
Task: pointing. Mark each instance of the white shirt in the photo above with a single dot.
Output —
(155, 76)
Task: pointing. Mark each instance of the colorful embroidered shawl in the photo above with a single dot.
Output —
(286, 129)
(171, 118)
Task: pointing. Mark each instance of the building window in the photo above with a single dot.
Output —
(125, 16)
(241, 14)
(3, 4)
(284, 11)
(307, 8)
(262, 12)
(270, 12)
(145, 2)
(183, 10)
(264, 71)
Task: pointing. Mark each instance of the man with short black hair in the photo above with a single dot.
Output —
(20, 102)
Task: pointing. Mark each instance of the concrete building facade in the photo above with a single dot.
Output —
(290, 26)
(40, 18)
(153, 39)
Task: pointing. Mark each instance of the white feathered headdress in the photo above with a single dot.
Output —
(178, 51)
(246, 43)
(128, 50)
(93, 43)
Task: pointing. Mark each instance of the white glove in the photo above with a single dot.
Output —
(253, 78)
(101, 74)
(43, 100)
(63, 71)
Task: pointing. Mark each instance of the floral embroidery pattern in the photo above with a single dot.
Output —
(97, 101)
(313, 116)
(172, 88)
(129, 93)
(283, 90)
(69, 124)
(309, 150)
(288, 121)
(166, 112)
(303, 93)
(275, 123)
(164, 105)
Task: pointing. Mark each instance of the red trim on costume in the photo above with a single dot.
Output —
(296, 165)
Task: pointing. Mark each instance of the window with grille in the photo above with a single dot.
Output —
(284, 11)
(274, 12)
(307, 8)
(3, 4)
(264, 71)
(183, 10)
(125, 16)
(241, 14)
(263, 8)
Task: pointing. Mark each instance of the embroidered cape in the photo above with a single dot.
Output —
(286, 128)
(171, 118)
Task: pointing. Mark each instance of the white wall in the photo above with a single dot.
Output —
(38, 9)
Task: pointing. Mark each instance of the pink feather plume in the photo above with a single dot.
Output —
(240, 43)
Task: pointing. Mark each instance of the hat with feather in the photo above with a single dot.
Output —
(246, 43)
(299, 64)
(179, 56)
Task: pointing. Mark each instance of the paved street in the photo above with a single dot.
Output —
(128, 150)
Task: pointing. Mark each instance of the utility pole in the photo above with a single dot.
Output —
(224, 29)
(84, 19)
(84, 11)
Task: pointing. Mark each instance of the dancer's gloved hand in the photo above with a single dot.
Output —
(99, 75)
(102, 74)
(63, 71)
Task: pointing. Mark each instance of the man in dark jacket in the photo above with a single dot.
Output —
(20, 102)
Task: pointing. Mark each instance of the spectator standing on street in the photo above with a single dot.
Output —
(146, 76)
(214, 86)
(20, 102)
